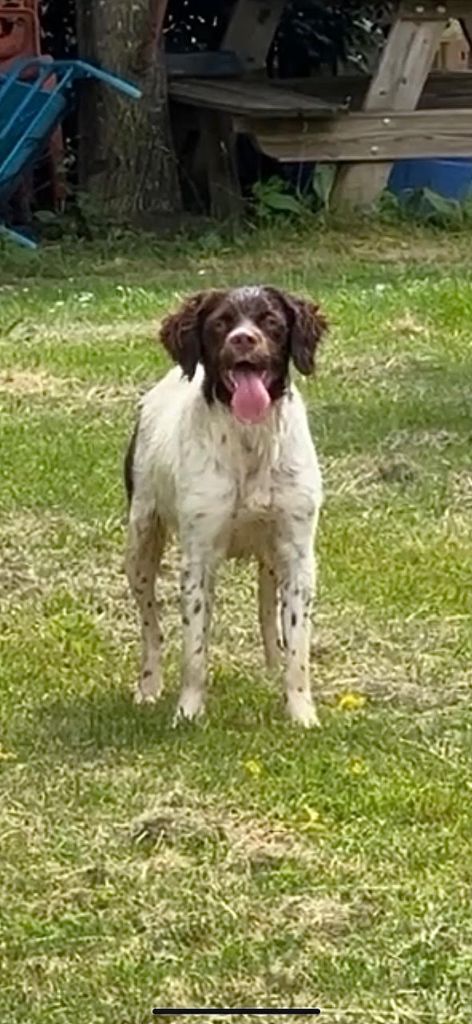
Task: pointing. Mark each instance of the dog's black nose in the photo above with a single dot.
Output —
(242, 341)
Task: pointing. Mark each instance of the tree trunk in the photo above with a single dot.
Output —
(126, 158)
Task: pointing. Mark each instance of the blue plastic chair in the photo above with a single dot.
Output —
(29, 114)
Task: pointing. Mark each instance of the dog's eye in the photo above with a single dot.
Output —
(221, 323)
(270, 322)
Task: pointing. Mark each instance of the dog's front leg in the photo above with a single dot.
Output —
(197, 585)
(298, 583)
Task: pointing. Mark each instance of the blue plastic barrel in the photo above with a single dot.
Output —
(449, 178)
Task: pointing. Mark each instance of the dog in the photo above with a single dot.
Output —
(222, 457)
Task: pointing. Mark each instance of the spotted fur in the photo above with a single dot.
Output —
(227, 489)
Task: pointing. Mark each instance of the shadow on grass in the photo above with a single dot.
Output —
(88, 727)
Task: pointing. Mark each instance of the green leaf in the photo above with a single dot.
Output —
(285, 202)
(322, 182)
(46, 217)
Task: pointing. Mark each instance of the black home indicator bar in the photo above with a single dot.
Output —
(236, 1011)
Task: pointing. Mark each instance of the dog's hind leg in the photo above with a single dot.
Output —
(146, 539)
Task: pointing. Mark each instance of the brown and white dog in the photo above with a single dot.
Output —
(222, 457)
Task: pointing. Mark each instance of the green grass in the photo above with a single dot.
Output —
(239, 861)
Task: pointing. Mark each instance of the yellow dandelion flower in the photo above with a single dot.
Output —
(351, 701)
(357, 766)
(313, 821)
(253, 767)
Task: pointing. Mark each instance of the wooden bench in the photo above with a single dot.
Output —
(222, 109)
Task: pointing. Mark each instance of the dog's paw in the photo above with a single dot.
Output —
(148, 690)
(144, 698)
(190, 707)
(302, 711)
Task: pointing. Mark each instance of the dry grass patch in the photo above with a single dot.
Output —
(60, 329)
(409, 326)
(357, 475)
(69, 391)
(185, 820)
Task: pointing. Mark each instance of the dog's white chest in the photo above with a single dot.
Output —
(254, 458)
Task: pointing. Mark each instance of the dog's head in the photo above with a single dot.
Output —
(245, 339)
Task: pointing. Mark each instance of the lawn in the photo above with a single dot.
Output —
(239, 861)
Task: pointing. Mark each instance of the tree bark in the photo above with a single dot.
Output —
(127, 163)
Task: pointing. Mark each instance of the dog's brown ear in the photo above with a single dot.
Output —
(181, 332)
(307, 325)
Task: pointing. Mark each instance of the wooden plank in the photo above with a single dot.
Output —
(218, 144)
(251, 29)
(466, 26)
(404, 66)
(311, 96)
(397, 85)
(442, 89)
(158, 11)
(250, 98)
(434, 10)
(365, 136)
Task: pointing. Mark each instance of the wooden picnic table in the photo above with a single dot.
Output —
(390, 120)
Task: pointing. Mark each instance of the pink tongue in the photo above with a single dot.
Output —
(250, 400)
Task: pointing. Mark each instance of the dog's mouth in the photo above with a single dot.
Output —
(249, 389)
